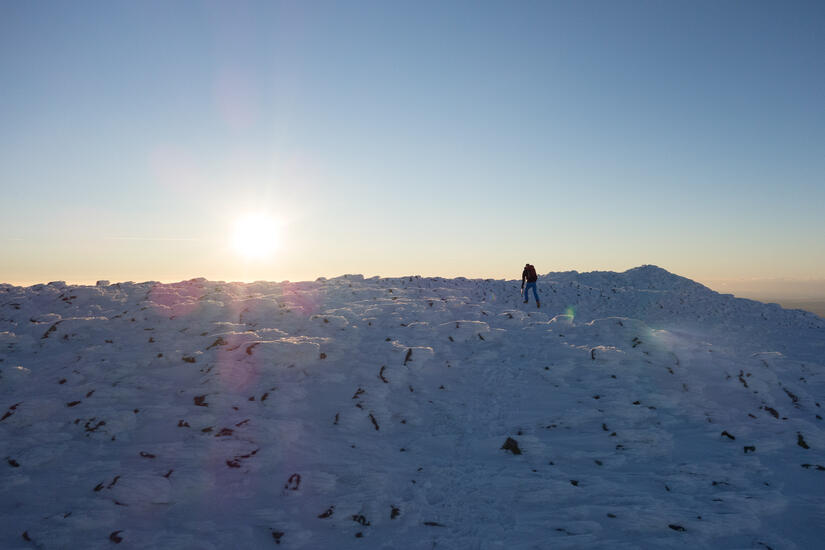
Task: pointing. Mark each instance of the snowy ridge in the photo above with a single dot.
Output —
(643, 409)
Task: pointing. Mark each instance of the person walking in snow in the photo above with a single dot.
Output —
(529, 275)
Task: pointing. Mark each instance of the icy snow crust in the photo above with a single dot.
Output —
(650, 412)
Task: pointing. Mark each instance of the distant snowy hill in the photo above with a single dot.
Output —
(633, 410)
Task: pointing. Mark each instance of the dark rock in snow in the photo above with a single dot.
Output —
(361, 520)
(511, 445)
(293, 483)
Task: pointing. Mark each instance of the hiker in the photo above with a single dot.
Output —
(529, 275)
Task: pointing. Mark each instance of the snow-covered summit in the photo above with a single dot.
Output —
(643, 277)
(654, 277)
(635, 409)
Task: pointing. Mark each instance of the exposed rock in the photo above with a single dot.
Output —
(511, 445)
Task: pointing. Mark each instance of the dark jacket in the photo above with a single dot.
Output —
(529, 275)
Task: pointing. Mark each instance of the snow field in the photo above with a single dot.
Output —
(352, 412)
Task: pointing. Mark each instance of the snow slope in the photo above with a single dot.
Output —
(646, 411)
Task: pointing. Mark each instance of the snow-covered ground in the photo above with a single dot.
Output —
(645, 411)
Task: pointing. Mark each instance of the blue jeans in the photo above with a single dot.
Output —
(535, 292)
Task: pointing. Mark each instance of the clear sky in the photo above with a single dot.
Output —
(394, 138)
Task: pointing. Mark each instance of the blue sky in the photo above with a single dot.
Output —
(393, 138)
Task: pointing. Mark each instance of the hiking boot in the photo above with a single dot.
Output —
(525, 301)
(538, 305)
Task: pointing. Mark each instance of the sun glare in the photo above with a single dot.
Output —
(255, 236)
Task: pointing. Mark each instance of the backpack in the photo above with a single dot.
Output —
(531, 274)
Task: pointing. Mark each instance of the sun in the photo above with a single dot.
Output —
(255, 236)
